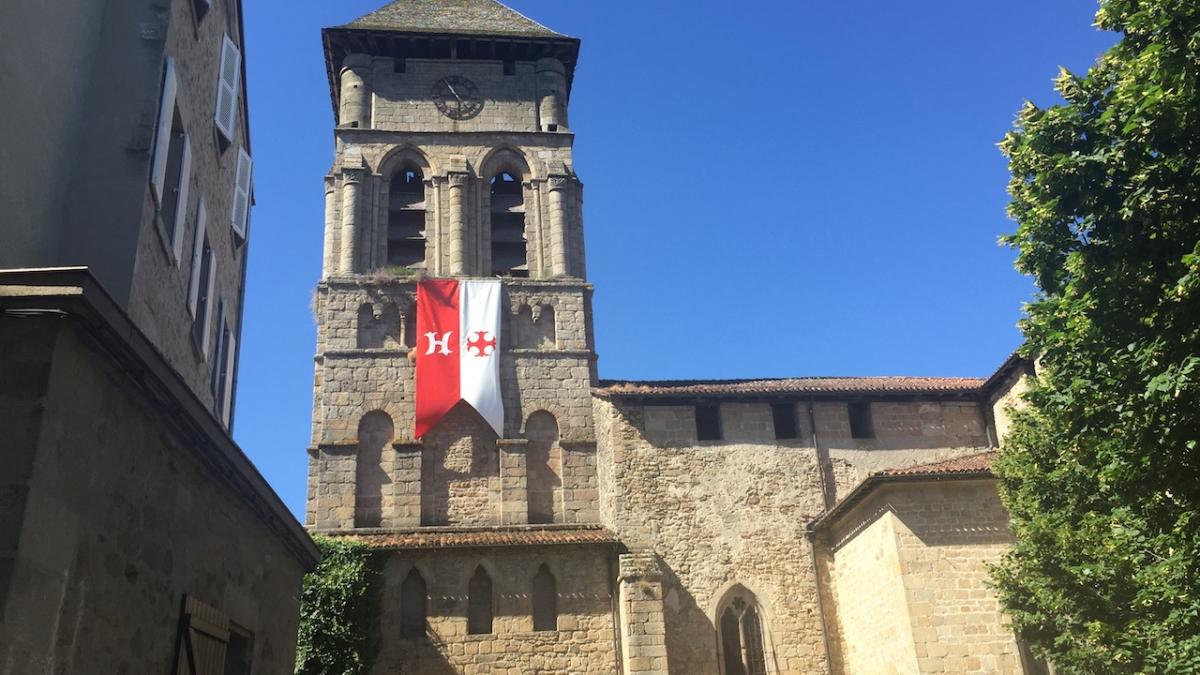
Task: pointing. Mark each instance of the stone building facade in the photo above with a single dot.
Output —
(142, 177)
(693, 528)
(135, 536)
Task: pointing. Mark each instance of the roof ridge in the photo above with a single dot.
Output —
(472, 17)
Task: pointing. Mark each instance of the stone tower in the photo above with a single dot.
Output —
(454, 160)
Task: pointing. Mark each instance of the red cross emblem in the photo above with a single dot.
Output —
(483, 343)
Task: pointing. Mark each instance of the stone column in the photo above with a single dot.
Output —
(406, 488)
(558, 225)
(514, 481)
(355, 109)
(330, 257)
(351, 196)
(458, 222)
(552, 94)
(643, 629)
(336, 464)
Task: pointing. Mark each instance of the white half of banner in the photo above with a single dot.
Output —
(479, 353)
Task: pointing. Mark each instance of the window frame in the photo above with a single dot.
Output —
(228, 90)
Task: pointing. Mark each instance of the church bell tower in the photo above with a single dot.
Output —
(453, 160)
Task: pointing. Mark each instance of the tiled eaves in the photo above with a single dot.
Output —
(671, 389)
(970, 467)
(478, 537)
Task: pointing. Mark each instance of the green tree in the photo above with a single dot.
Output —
(1101, 474)
(339, 609)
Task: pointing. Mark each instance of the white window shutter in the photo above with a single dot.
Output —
(208, 306)
(181, 210)
(228, 83)
(229, 361)
(197, 251)
(241, 193)
(162, 136)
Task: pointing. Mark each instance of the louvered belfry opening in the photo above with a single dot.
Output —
(406, 219)
(508, 226)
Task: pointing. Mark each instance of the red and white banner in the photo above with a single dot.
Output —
(458, 350)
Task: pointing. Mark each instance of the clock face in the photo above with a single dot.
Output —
(457, 97)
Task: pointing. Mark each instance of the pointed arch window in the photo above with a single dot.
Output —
(479, 603)
(406, 219)
(545, 600)
(509, 252)
(742, 637)
(414, 598)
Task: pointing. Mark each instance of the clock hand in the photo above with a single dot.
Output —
(451, 88)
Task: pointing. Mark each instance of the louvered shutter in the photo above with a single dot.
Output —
(162, 135)
(204, 638)
(197, 252)
(230, 358)
(228, 82)
(241, 193)
(208, 305)
(181, 208)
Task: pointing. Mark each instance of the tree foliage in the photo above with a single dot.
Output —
(338, 611)
(1101, 473)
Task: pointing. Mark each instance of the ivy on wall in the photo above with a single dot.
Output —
(339, 611)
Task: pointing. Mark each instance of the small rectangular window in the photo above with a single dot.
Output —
(708, 423)
(784, 416)
(229, 78)
(176, 217)
(239, 652)
(860, 420)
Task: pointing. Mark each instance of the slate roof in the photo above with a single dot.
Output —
(793, 385)
(457, 537)
(468, 17)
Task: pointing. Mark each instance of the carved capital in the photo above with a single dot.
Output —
(353, 176)
(558, 182)
(456, 179)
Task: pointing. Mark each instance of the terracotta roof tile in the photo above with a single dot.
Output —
(457, 537)
(979, 463)
(792, 385)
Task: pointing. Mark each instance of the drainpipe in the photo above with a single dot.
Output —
(822, 465)
(811, 535)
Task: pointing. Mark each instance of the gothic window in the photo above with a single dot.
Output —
(375, 432)
(860, 420)
(413, 600)
(545, 600)
(544, 477)
(784, 417)
(479, 603)
(508, 226)
(708, 423)
(406, 219)
(741, 635)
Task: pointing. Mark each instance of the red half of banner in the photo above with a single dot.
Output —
(438, 385)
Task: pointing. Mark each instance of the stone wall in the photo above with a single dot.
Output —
(716, 514)
(932, 542)
(402, 101)
(732, 511)
(158, 295)
(124, 510)
(584, 641)
(876, 633)
(461, 473)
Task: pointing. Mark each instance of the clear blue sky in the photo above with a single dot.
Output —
(771, 188)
